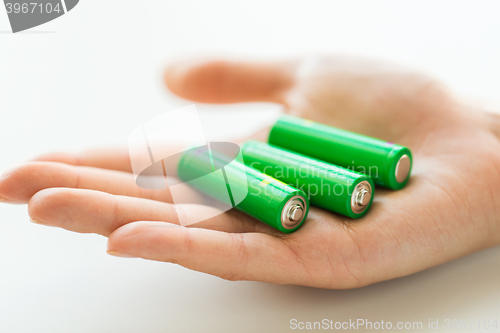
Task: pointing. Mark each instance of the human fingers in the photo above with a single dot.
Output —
(88, 211)
(369, 97)
(227, 81)
(18, 185)
(112, 158)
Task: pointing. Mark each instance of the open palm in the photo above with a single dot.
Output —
(450, 207)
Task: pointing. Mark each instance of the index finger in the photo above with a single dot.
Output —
(112, 158)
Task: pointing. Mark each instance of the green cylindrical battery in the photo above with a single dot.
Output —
(265, 198)
(328, 186)
(387, 163)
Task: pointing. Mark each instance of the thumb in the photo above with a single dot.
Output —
(225, 81)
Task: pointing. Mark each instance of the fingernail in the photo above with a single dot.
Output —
(40, 222)
(7, 201)
(118, 254)
(5, 171)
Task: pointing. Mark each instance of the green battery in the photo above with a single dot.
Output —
(263, 197)
(387, 163)
(328, 186)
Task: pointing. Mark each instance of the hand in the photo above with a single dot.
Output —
(450, 207)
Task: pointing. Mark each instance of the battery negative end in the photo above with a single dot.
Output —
(403, 168)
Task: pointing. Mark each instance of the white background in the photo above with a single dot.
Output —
(90, 77)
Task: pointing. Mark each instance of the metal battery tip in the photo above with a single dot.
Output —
(295, 213)
(363, 198)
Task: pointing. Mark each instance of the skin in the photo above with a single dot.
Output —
(449, 209)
